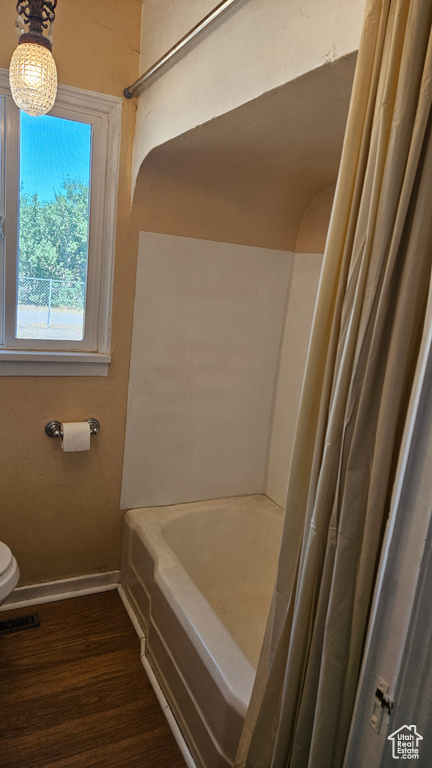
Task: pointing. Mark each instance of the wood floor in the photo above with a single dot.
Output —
(73, 692)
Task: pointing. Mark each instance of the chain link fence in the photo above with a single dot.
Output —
(50, 304)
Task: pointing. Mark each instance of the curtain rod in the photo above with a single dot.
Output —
(131, 90)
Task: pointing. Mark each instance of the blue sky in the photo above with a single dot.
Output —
(52, 148)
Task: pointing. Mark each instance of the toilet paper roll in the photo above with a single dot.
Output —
(76, 436)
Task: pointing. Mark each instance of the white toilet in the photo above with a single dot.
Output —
(9, 572)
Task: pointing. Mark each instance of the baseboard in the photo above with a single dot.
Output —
(172, 722)
(63, 589)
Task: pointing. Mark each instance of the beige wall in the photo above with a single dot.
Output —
(59, 513)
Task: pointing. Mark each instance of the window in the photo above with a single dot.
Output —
(57, 206)
(53, 227)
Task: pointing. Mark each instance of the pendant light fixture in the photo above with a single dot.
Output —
(32, 71)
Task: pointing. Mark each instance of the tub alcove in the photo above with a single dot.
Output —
(232, 219)
(249, 175)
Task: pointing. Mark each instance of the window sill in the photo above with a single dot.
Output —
(19, 363)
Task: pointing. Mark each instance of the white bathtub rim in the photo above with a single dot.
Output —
(214, 644)
(151, 528)
(230, 501)
(149, 523)
(157, 518)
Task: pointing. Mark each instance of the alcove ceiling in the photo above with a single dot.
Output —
(250, 175)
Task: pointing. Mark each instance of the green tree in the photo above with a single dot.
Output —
(37, 255)
(53, 235)
(53, 244)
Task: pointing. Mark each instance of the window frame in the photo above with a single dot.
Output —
(61, 357)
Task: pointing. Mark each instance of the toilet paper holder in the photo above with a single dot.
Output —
(53, 428)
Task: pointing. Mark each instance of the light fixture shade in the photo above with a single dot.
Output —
(33, 78)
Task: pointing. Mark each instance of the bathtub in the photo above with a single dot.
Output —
(199, 577)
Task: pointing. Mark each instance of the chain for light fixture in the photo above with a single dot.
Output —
(32, 72)
(39, 15)
(43, 8)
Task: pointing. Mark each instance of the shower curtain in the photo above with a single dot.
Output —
(366, 337)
